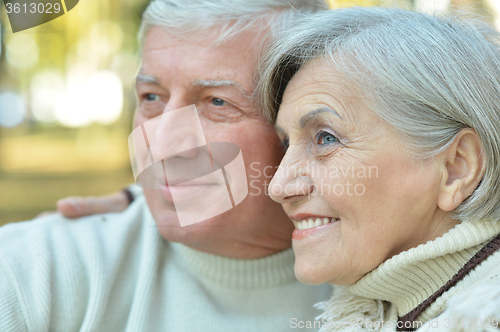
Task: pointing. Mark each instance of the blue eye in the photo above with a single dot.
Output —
(218, 102)
(151, 97)
(324, 138)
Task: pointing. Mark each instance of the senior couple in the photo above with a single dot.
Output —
(415, 96)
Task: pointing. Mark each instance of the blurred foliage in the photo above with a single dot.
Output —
(43, 161)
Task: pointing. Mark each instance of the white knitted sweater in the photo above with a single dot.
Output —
(115, 272)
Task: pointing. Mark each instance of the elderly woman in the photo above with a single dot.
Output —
(390, 121)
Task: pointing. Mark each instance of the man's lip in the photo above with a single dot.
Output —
(182, 182)
(176, 182)
(184, 191)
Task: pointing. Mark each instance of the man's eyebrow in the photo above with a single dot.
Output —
(147, 79)
(222, 83)
(198, 83)
(215, 83)
(305, 118)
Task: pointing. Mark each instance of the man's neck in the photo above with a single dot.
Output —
(244, 250)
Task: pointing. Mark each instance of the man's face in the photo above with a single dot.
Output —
(219, 81)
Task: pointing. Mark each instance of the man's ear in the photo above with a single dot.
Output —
(463, 168)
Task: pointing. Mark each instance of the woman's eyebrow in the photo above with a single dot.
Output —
(306, 117)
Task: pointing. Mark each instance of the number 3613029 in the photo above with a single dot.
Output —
(41, 8)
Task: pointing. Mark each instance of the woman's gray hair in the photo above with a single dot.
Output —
(428, 77)
(231, 17)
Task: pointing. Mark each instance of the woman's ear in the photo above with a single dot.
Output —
(463, 168)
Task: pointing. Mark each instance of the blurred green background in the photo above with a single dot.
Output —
(66, 104)
(67, 100)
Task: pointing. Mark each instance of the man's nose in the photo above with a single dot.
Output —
(177, 132)
(291, 181)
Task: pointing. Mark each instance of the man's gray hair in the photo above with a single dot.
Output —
(428, 77)
(186, 18)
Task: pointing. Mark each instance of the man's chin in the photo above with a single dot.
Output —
(168, 224)
(193, 235)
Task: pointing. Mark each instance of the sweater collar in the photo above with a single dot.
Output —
(265, 272)
(410, 277)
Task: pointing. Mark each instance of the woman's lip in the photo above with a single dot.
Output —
(299, 234)
(183, 192)
(302, 216)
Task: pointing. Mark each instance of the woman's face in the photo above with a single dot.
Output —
(347, 181)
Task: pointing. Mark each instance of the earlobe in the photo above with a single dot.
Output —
(463, 168)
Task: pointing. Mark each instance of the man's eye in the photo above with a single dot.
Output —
(151, 97)
(219, 102)
(324, 138)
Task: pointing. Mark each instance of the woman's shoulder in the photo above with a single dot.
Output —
(475, 309)
(476, 306)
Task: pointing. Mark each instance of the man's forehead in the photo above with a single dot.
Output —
(232, 63)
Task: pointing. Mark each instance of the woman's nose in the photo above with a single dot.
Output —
(291, 182)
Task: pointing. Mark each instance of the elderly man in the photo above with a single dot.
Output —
(118, 272)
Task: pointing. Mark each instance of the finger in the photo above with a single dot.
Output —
(73, 207)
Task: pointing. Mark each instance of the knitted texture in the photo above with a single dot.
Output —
(114, 272)
(477, 259)
(408, 279)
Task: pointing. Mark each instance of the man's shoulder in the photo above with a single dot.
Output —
(53, 246)
(56, 271)
(52, 231)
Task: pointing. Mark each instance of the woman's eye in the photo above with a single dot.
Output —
(326, 138)
(218, 102)
(285, 143)
(151, 97)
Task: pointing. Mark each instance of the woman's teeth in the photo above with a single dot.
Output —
(310, 223)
